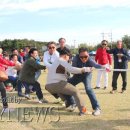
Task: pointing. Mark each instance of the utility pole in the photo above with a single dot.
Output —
(74, 43)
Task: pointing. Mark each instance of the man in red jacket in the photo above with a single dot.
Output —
(103, 58)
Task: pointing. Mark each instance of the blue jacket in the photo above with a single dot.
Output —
(124, 58)
(90, 63)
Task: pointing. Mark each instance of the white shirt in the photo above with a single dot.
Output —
(54, 77)
(49, 59)
(11, 71)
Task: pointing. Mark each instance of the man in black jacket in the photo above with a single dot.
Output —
(120, 56)
(27, 75)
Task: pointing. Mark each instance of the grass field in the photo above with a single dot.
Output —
(29, 115)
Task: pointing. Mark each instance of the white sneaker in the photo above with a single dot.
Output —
(97, 112)
(27, 96)
(71, 108)
(43, 101)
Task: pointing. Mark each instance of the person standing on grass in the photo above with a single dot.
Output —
(83, 60)
(49, 57)
(62, 42)
(120, 55)
(27, 76)
(57, 81)
(103, 58)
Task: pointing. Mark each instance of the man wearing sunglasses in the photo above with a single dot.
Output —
(49, 57)
(57, 81)
(103, 58)
(83, 60)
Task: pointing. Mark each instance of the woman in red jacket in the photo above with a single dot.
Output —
(104, 59)
(3, 65)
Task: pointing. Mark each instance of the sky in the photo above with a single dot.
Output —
(78, 21)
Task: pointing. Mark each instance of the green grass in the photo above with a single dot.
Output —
(115, 111)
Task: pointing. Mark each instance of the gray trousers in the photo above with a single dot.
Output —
(66, 88)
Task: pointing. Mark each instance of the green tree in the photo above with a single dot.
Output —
(126, 41)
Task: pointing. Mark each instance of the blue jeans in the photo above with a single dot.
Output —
(86, 80)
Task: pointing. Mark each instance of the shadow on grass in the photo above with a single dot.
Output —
(45, 114)
(124, 110)
(91, 124)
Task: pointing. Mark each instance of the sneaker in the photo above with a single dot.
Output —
(97, 87)
(83, 111)
(43, 101)
(123, 91)
(71, 108)
(97, 112)
(27, 96)
(105, 88)
(113, 91)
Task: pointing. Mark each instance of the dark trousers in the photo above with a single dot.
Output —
(115, 77)
(12, 80)
(36, 87)
(3, 94)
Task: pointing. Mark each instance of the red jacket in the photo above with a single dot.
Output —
(4, 63)
(102, 57)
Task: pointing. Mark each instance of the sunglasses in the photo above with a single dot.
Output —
(51, 47)
(104, 44)
(83, 57)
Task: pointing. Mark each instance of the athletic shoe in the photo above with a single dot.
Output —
(123, 91)
(43, 101)
(105, 88)
(97, 112)
(113, 91)
(83, 111)
(27, 96)
(71, 108)
(97, 87)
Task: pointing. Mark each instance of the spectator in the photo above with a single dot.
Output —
(50, 55)
(104, 59)
(20, 58)
(120, 55)
(26, 51)
(62, 42)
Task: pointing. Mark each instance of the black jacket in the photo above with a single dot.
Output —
(124, 59)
